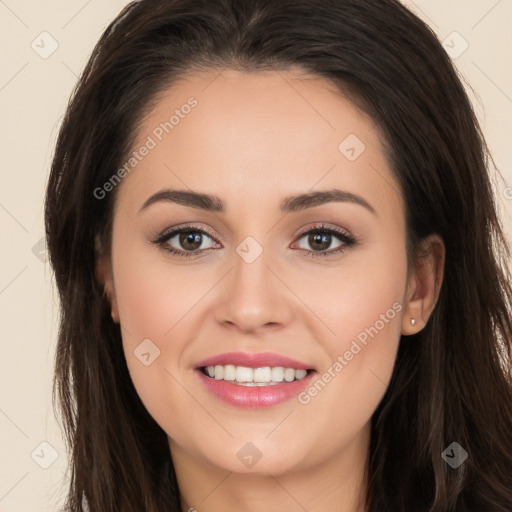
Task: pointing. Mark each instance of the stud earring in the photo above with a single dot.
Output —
(413, 321)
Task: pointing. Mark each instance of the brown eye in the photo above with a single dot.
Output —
(190, 240)
(186, 241)
(319, 241)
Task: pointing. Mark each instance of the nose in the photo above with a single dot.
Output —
(254, 296)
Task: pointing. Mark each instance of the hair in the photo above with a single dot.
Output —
(452, 381)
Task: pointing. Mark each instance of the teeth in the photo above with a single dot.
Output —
(244, 374)
(219, 372)
(278, 374)
(263, 376)
(229, 372)
(289, 374)
(300, 374)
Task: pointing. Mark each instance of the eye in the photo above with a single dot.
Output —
(185, 241)
(188, 241)
(321, 238)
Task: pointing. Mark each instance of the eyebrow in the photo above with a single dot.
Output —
(289, 205)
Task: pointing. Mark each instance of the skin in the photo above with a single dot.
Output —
(252, 140)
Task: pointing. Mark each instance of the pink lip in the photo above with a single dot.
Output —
(256, 397)
(253, 360)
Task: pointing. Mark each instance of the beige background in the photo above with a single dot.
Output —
(33, 95)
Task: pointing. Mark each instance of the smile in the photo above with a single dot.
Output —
(246, 376)
(254, 381)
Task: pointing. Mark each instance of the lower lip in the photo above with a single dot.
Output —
(254, 397)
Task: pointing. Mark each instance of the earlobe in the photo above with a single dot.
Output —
(109, 292)
(424, 285)
(105, 279)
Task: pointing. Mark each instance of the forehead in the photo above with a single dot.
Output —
(236, 133)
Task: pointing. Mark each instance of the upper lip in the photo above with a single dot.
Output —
(258, 360)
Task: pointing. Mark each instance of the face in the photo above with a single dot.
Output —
(269, 273)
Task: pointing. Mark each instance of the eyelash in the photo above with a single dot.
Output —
(343, 236)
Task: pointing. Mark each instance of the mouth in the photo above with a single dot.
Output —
(252, 377)
(254, 381)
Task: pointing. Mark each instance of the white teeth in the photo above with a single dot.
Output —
(289, 374)
(278, 374)
(263, 376)
(229, 372)
(244, 374)
(300, 374)
(219, 372)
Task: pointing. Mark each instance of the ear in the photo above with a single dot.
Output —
(424, 285)
(105, 278)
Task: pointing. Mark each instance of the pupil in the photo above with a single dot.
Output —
(319, 239)
(190, 240)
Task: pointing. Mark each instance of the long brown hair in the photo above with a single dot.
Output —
(452, 381)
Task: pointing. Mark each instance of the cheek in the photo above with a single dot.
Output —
(363, 309)
(361, 299)
(155, 302)
(153, 295)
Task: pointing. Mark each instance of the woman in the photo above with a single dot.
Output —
(282, 275)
